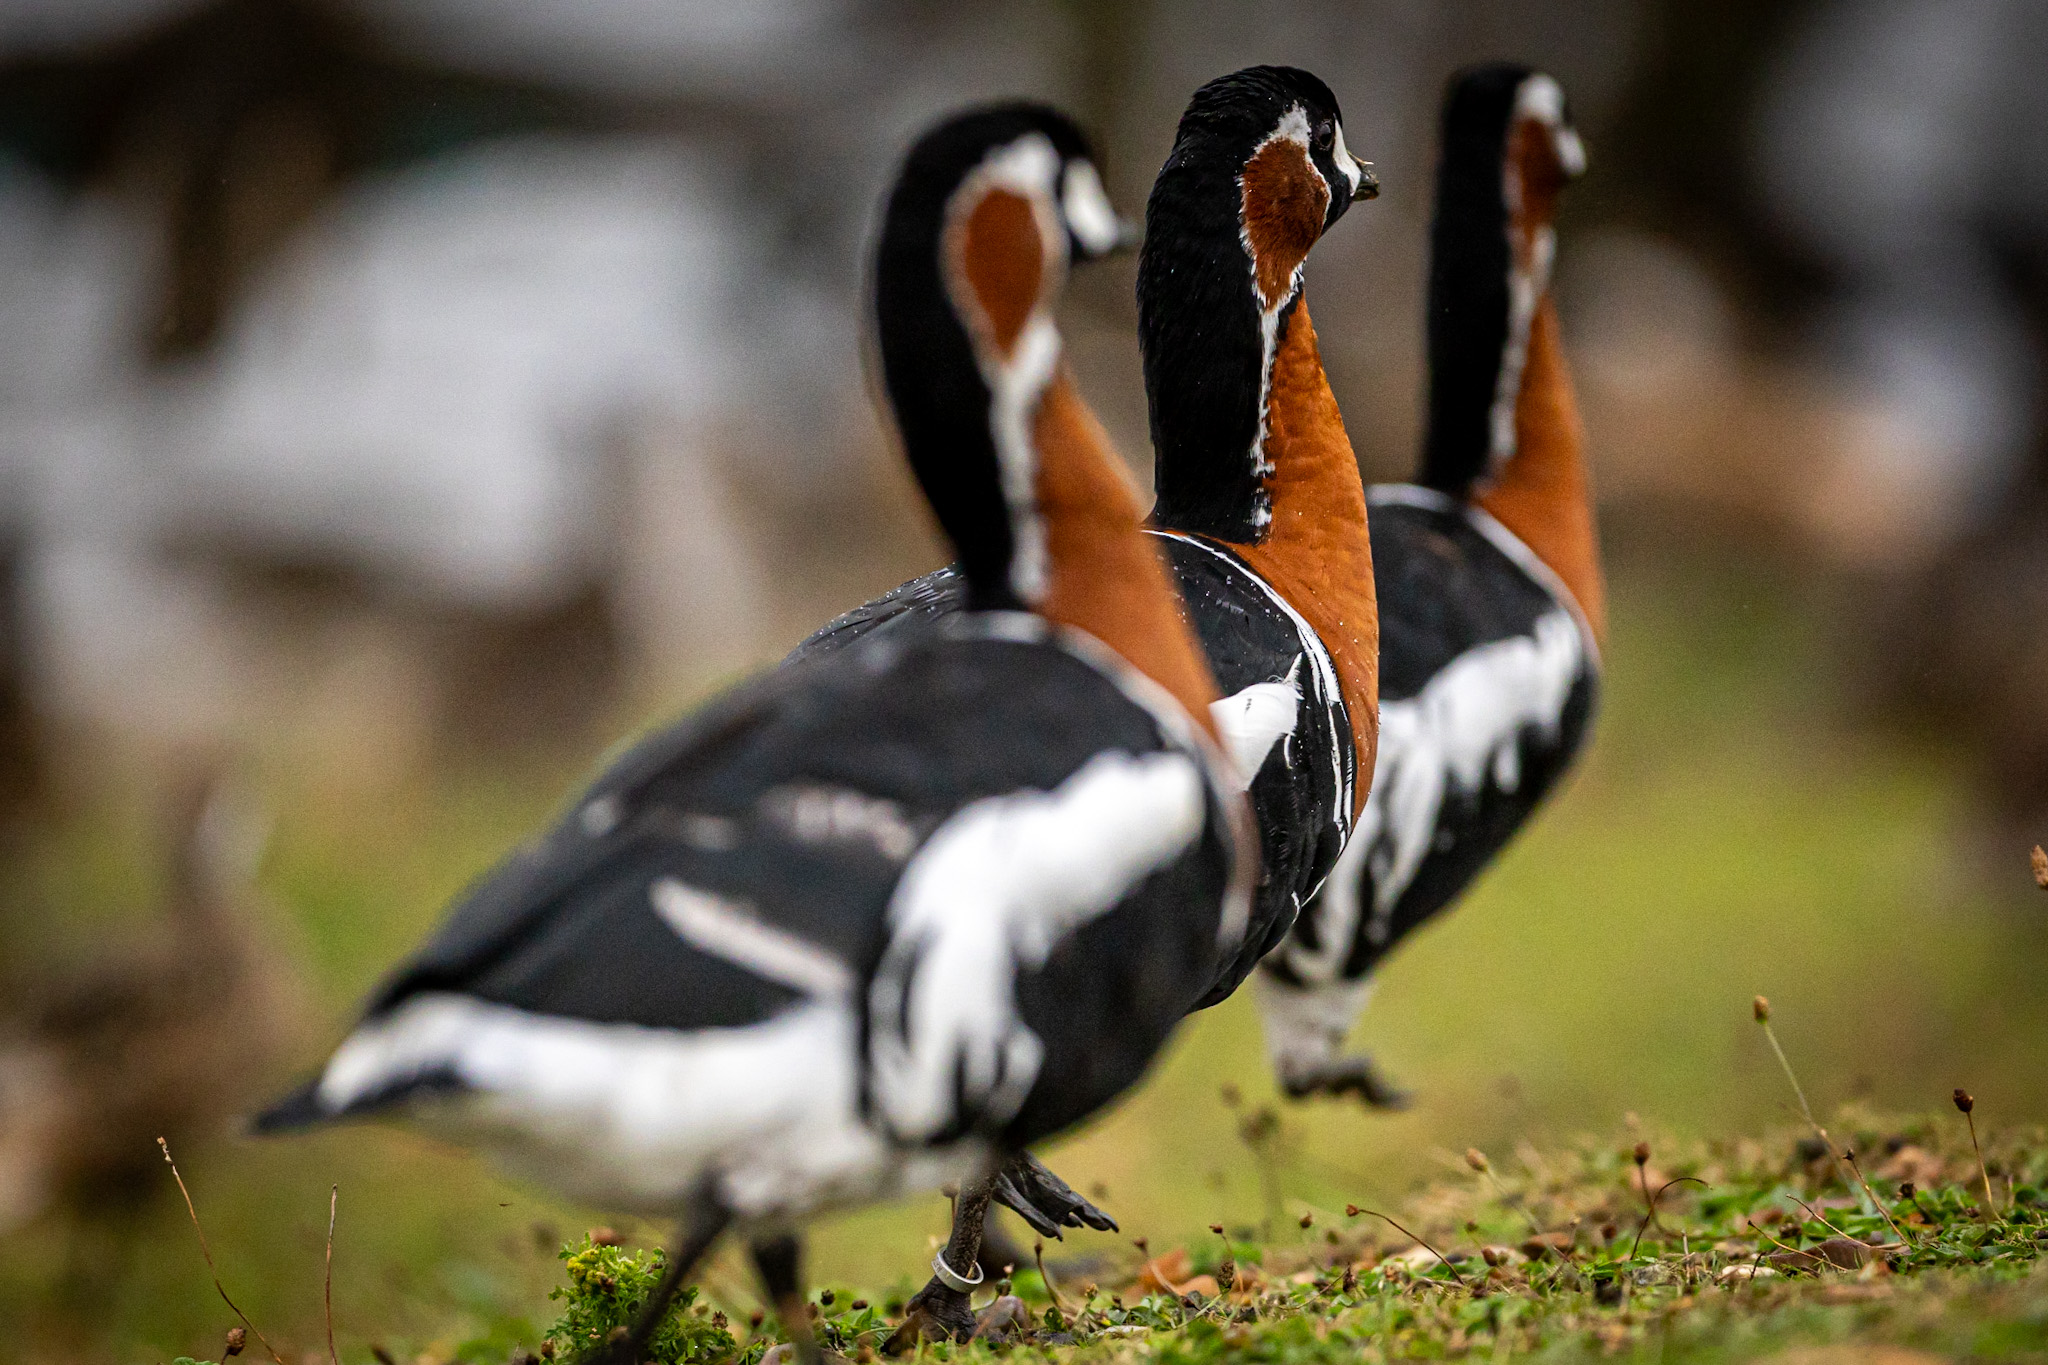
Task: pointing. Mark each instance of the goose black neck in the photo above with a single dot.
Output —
(941, 402)
(1469, 277)
(1198, 326)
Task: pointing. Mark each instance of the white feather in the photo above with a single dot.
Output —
(637, 1117)
(990, 894)
(1463, 729)
(1253, 720)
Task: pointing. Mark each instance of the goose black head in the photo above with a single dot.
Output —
(1258, 172)
(986, 215)
(1508, 151)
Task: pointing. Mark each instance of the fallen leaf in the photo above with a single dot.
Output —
(1836, 1253)
(1164, 1272)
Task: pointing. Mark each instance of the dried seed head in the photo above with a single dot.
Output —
(1216, 1228)
(1232, 1096)
(2041, 867)
(1141, 1244)
(1964, 1102)
(1226, 1274)
(825, 1297)
(1491, 1255)
(1308, 1220)
(547, 1352)
(1350, 1279)
(1476, 1159)
(1471, 1226)
(1642, 1154)
(1352, 1210)
(238, 1337)
(1762, 1007)
(1907, 1189)
(756, 1318)
(858, 1304)
(721, 1322)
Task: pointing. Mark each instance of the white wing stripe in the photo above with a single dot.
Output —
(1463, 729)
(992, 892)
(729, 930)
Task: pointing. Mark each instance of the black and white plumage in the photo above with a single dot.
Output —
(1488, 679)
(826, 939)
(1283, 715)
(1282, 718)
(870, 921)
(1489, 660)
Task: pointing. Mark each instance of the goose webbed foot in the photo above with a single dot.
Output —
(937, 1312)
(1043, 1200)
(1353, 1074)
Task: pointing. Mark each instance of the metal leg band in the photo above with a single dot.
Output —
(952, 1278)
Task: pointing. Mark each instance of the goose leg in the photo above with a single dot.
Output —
(776, 1259)
(700, 1229)
(941, 1309)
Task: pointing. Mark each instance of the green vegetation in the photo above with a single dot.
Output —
(606, 1289)
(1731, 832)
(1753, 1246)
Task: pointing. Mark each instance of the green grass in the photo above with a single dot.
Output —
(1728, 835)
(1755, 1246)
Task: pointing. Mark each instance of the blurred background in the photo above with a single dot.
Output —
(402, 400)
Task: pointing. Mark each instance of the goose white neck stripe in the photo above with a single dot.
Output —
(1089, 212)
(1293, 127)
(1017, 381)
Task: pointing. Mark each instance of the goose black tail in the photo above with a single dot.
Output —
(299, 1110)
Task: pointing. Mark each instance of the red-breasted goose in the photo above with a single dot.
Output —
(1492, 607)
(1261, 511)
(882, 919)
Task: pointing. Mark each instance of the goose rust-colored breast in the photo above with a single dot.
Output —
(1316, 552)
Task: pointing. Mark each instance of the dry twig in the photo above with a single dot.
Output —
(207, 1252)
(327, 1290)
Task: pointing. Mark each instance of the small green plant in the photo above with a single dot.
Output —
(607, 1285)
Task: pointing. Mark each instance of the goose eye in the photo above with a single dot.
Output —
(1326, 133)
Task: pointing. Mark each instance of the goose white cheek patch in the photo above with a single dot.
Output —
(1089, 214)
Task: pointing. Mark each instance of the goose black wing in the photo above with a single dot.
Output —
(1488, 684)
(794, 805)
(1301, 791)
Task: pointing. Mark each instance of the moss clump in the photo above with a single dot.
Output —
(607, 1286)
